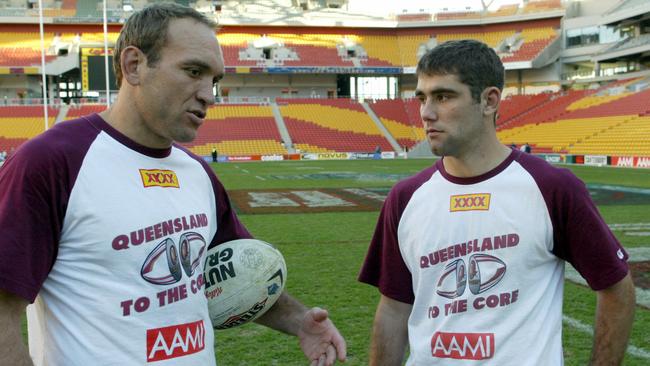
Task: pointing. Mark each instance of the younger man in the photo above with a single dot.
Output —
(469, 254)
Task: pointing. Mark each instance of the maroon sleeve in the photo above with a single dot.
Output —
(35, 184)
(384, 266)
(228, 225)
(580, 235)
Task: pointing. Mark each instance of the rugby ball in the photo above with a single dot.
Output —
(243, 279)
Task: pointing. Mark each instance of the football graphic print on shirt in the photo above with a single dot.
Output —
(191, 245)
(470, 268)
(483, 272)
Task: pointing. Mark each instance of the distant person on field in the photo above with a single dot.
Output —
(93, 212)
(214, 155)
(466, 278)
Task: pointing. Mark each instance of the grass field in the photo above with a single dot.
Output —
(325, 250)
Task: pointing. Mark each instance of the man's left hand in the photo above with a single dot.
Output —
(320, 340)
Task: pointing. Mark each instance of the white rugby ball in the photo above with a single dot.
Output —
(243, 279)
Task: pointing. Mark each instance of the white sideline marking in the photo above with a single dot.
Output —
(584, 328)
(632, 229)
(245, 171)
(260, 178)
(630, 226)
(636, 255)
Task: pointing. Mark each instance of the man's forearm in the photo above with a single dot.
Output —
(17, 356)
(614, 317)
(12, 349)
(389, 333)
(285, 315)
(386, 347)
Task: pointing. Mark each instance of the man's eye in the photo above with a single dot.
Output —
(442, 98)
(194, 72)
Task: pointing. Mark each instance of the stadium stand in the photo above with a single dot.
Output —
(505, 10)
(238, 130)
(335, 125)
(587, 120)
(542, 5)
(394, 116)
(458, 15)
(20, 123)
(84, 110)
(515, 105)
(596, 117)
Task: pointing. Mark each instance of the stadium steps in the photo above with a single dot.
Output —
(282, 128)
(394, 114)
(420, 150)
(63, 111)
(382, 128)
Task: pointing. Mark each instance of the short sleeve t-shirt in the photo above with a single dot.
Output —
(112, 237)
(482, 260)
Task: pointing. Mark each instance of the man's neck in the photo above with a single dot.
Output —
(125, 118)
(478, 161)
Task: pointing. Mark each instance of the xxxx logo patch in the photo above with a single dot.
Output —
(159, 178)
(470, 202)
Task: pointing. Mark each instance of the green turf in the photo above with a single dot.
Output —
(324, 252)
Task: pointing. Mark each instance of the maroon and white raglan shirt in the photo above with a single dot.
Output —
(112, 237)
(482, 260)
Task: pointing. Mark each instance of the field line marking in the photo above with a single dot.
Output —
(584, 328)
(260, 178)
(245, 171)
(642, 296)
(636, 255)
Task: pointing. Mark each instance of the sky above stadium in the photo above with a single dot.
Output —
(388, 6)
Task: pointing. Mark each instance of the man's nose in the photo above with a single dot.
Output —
(428, 112)
(206, 93)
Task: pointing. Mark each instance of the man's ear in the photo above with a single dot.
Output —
(491, 98)
(132, 61)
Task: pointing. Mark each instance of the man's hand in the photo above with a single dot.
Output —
(320, 340)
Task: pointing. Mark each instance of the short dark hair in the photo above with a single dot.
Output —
(147, 30)
(475, 64)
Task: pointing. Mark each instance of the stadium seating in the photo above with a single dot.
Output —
(238, 130)
(394, 116)
(630, 137)
(542, 5)
(20, 45)
(458, 15)
(608, 120)
(331, 125)
(535, 36)
(20, 123)
(516, 105)
(505, 10)
(84, 110)
(314, 47)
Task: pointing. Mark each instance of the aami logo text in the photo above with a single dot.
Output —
(175, 341)
(159, 178)
(469, 202)
(463, 346)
